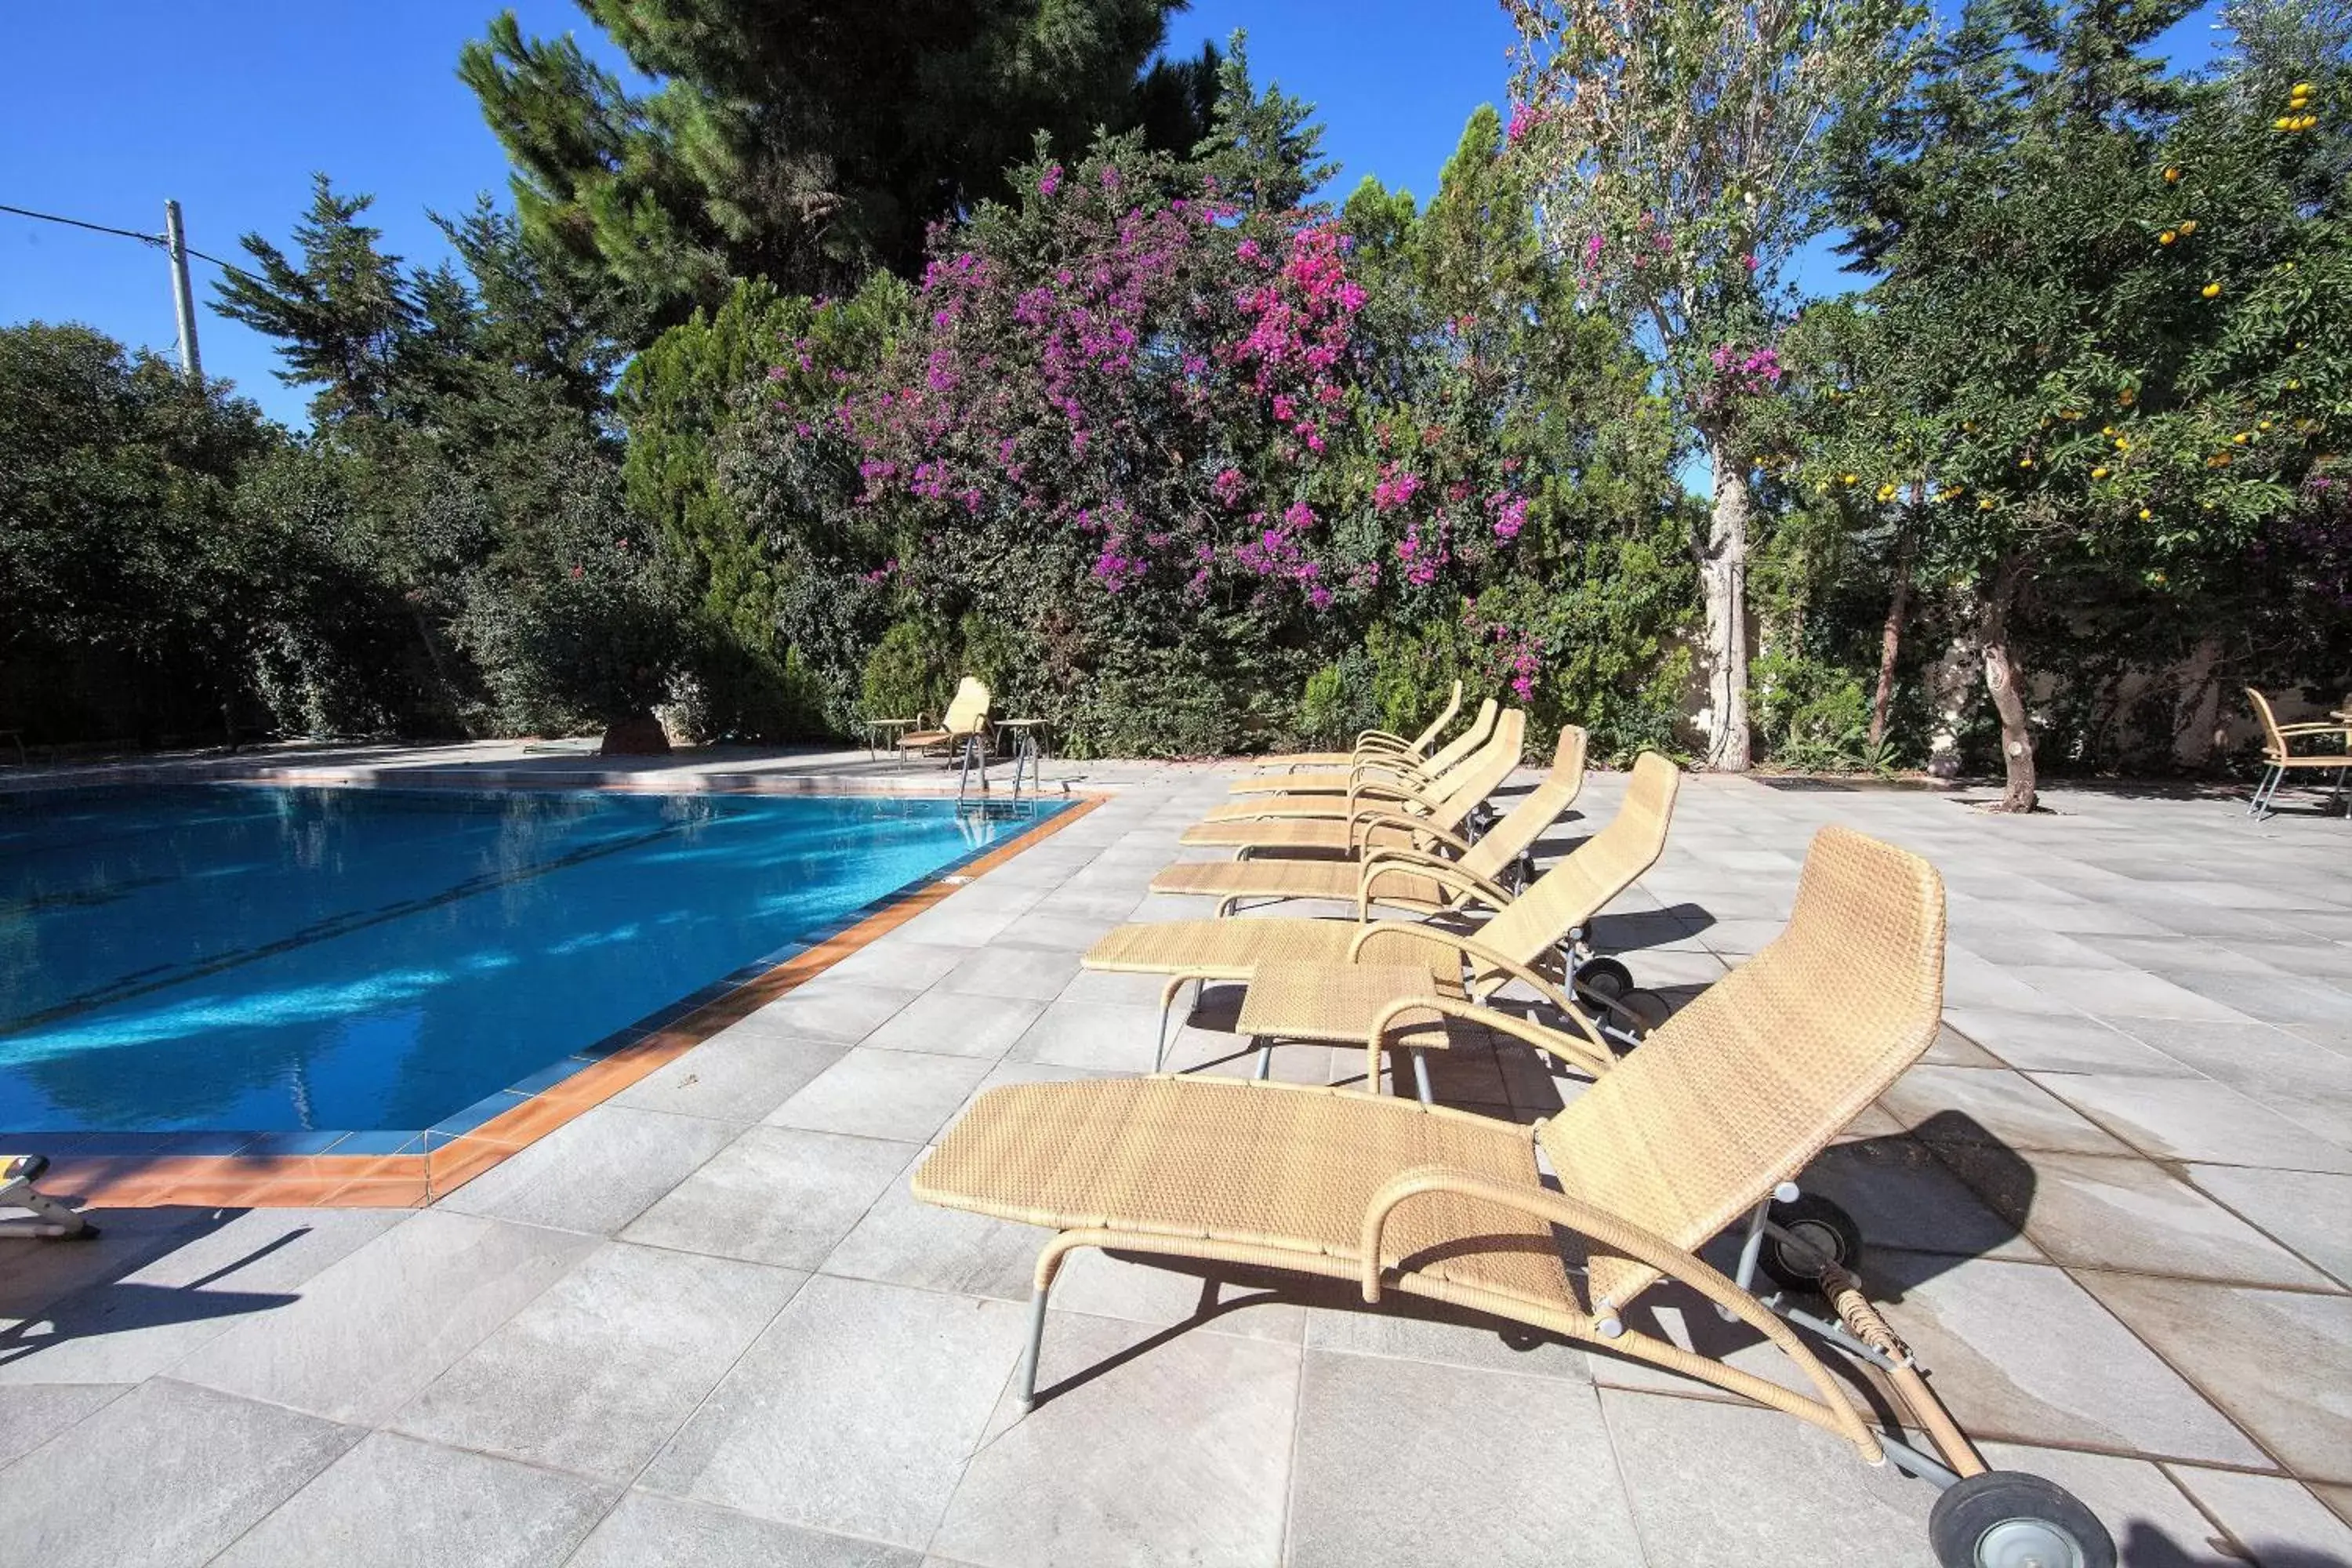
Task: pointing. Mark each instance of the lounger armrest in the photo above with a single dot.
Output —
(1407, 769)
(1361, 824)
(2313, 727)
(1453, 878)
(1612, 1231)
(1591, 1056)
(1373, 790)
(1468, 947)
(1385, 740)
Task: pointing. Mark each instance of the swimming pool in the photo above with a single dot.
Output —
(347, 968)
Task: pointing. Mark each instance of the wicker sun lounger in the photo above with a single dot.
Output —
(1370, 743)
(964, 722)
(1318, 794)
(1400, 875)
(1537, 936)
(1703, 1130)
(50, 1217)
(1450, 802)
(1411, 767)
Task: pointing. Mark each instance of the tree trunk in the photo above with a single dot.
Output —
(2003, 681)
(1723, 581)
(1890, 636)
(640, 735)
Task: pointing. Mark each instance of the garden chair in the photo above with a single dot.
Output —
(1702, 1131)
(1372, 742)
(1400, 874)
(963, 732)
(1537, 936)
(1337, 794)
(18, 1173)
(1341, 824)
(2280, 759)
(1409, 766)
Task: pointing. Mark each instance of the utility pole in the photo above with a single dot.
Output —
(183, 305)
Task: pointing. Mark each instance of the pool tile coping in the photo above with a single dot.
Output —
(408, 1169)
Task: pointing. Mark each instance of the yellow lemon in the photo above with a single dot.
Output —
(2025, 462)
(2167, 237)
(2144, 514)
(1845, 478)
(2188, 225)
(2127, 396)
(2294, 386)
(2172, 176)
(2302, 89)
(1985, 505)
(2211, 291)
(2123, 444)
(1886, 492)
(2262, 424)
(2240, 439)
(2100, 472)
(2285, 122)
(2107, 429)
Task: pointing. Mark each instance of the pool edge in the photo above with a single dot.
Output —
(411, 1179)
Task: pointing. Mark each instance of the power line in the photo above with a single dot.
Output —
(154, 239)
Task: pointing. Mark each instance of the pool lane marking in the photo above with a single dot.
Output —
(323, 931)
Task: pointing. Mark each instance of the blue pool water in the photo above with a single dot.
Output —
(322, 961)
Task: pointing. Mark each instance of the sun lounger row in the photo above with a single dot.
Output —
(1699, 1135)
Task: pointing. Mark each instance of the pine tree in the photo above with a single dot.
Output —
(804, 143)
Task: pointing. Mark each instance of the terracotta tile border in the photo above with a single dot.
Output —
(410, 1180)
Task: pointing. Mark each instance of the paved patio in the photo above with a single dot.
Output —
(705, 1324)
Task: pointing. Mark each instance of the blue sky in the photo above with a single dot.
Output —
(229, 109)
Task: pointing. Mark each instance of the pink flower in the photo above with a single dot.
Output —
(1050, 181)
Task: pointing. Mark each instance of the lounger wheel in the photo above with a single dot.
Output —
(1818, 1232)
(1605, 977)
(2006, 1519)
(1645, 1010)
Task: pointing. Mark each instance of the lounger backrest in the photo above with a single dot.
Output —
(1525, 823)
(1428, 737)
(1481, 726)
(969, 709)
(1595, 871)
(2274, 743)
(1741, 1089)
(1481, 772)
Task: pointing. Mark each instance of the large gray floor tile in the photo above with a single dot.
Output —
(33, 1412)
(2279, 1362)
(835, 1006)
(403, 1504)
(125, 1330)
(1413, 1330)
(1113, 1036)
(2054, 1041)
(2200, 1120)
(1408, 1462)
(905, 1095)
(647, 1528)
(1034, 974)
(2312, 1088)
(597, 1172)
(856, 1411)
(2116, 993)
(2281, 1524)
(948, 1022)
(902, 1241)
(167, 1475)
(1980, 1105)
(2098, 1212)
(371, 1330)
(2308, 1211)
(738, 1076)
(1145, 1450)
(2022, 1352)
(1732, 1486)
(777, 1196)
(898, 964)
(595, 1375)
